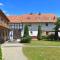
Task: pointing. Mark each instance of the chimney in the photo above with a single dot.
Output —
(31, 13)
(39, 13)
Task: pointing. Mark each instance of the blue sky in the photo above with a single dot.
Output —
(18, 7)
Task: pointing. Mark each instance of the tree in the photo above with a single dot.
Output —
(39, 33)
(26, 31)
(56, 28)
(26, 38)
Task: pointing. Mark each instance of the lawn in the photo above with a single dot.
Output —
(42, 53)
(43, 43)
(0, 54)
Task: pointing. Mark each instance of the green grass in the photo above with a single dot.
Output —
(42, 53)
(37, 53)
(0, 54)
(44, 43)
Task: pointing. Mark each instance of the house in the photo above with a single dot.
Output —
(4, 28)
(17, 23)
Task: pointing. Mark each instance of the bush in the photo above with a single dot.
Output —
(26, 39)
(51, 37)
(44, 37)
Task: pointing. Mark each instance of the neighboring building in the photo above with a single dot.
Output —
(17, 23)
(4, 28)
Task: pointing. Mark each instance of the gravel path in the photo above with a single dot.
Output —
(12, 51)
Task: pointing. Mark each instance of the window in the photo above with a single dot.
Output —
(1, 19)
(16, 26)
(29, 24)
(46, 24)
(31, 32)
(21, 26)
(11, 26)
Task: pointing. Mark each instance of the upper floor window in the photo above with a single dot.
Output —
(11, 26)
(16, 26)
(21, 26)
(29, 24)
(46, 24)
(1, 19)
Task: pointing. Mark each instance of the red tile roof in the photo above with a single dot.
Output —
(34, 18)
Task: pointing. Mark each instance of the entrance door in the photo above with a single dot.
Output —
(11, 35)
(17, 34)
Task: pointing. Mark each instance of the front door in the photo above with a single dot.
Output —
(17, 34)
(11, 35)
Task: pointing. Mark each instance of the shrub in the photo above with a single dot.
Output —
(44, 37)
(39, 33)
(26, 39)
(51, 37)
(26, 31)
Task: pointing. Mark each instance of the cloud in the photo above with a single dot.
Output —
(1, 4)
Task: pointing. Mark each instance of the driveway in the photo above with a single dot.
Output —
(13, 51)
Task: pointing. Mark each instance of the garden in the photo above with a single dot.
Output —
(42, 53)
(44, 48)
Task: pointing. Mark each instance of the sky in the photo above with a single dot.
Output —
(19, 7)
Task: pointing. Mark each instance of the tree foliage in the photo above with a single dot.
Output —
(39, 33)
(26, 38)
(57, 27)
(26, 31)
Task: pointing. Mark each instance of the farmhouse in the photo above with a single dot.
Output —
(17, 23)
(13, 26)
(4, 28)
